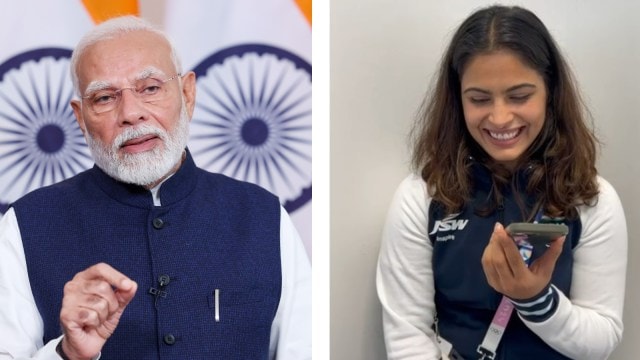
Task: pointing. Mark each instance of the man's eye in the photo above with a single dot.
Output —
(150, 90)
(103, 98)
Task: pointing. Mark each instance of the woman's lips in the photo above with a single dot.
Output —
(504, 138)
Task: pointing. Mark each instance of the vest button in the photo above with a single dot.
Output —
(158, 223)
(164, 280)
(169, 339)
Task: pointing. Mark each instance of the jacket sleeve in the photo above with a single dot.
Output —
(405, 277)
(588, 325)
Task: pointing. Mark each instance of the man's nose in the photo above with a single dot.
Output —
(131, 109)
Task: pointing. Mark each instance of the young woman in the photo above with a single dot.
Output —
(503, 138)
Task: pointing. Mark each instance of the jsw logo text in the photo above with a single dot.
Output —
(448, 225)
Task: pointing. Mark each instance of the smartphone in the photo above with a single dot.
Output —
(538, 234)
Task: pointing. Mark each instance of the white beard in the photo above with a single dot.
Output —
(147, 167)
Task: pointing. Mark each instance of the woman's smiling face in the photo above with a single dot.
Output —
(504, 103)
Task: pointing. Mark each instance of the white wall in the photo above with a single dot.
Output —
(383, 54)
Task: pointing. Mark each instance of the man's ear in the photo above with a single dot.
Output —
(77, 111)
(189, 91)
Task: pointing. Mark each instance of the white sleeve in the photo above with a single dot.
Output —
(405, 276)
(291, 328)
(21, 327)
(589, 325)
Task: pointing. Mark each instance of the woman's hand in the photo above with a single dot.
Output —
(508, 274)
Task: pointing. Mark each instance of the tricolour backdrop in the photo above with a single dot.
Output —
(252, 119)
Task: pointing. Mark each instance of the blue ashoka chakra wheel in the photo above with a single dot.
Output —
(252, 119)
(40, 140)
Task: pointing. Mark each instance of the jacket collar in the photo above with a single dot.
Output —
(175, 188)
(483, 180)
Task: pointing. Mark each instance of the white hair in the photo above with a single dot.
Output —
(111, 29)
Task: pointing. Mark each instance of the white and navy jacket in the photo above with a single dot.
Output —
(429, 266)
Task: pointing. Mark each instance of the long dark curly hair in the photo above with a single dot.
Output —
(560, 163)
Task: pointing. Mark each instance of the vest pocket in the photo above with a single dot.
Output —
(243, 308)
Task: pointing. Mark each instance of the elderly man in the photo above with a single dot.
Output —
(146, 256)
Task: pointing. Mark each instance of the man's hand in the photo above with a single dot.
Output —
(507, 273)
(92, 305)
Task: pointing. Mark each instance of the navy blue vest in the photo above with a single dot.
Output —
(211, 232)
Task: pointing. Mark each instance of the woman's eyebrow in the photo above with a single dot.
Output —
(513, 88)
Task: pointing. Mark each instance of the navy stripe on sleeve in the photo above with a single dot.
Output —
(540, 307)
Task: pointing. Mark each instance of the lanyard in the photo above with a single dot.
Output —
(487, 349)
